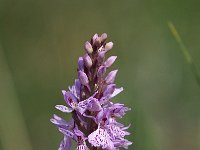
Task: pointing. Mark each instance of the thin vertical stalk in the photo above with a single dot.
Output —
(186, 53)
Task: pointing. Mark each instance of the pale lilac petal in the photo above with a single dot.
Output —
(99, 116)
(101, 71)
(110, 61)
(82, 106)
(118, 110)
(64, 108)
(122, 143)
(117, 91)
(111, 77)
(109, 90)
(104, 99)
(94, 105)
(125, 128)
(75, 89)
(59, 121)
(66, 132)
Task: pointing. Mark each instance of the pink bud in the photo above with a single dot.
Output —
(110, 61)
(87, 61)
(94, 38)
(88, 47)
(108, 46)
(103, 37)
(97, 42)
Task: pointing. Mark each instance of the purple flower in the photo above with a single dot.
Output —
(89, 101)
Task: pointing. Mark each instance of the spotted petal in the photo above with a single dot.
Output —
(82, 106)
(100, 138)
(116, 132)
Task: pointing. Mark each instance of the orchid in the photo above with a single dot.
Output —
(94, 116)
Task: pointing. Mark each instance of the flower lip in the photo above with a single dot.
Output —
(70, 99)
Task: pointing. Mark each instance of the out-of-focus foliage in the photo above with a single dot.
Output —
(40, 41)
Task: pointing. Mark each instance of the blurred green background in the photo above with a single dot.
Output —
(41, 40)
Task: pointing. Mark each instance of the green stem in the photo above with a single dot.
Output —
(186, 53)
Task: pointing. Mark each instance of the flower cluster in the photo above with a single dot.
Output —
(93, 125)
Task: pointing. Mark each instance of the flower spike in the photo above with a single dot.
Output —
(89, 101)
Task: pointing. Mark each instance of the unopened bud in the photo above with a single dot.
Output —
(94, 37)
(88, 47)
(87, 61)
(110, 61)
(83, 78)
(109, 89)
(101, 71)
(103, 37)
(101, 56)
(97, 42)
(80, 63)
(111, 77)
(108, 46)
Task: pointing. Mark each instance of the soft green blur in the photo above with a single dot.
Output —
(41, 40)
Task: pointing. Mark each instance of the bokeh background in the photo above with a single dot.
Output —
(41, 40)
